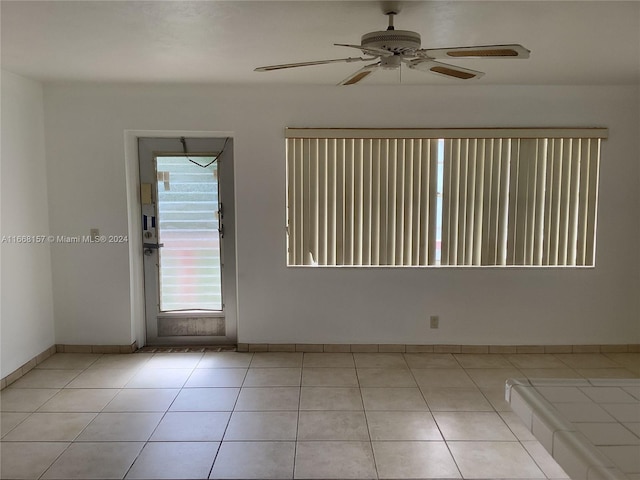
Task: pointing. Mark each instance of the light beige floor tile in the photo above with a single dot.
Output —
(472, 426)
(28, 460)
(606, 373)
(329, 377)
(314, 425)
(79, 400)
(414, 460)
(558, 394)
(245, 426)
(216, 377)
(385, 377)
(442, 377)
(330, 398)
(465, 399)
(179, 460)
(142, 400)
(254, 460)
(268, 398)
(335, 360)
(273, 377)
(25, 399)
(482, 361)
(586, 360)
(156, 377)
(517, 426)
(191, 427)
(100, 460)
(535, 360)
(50, 427)
(625, 457)
(276, 359)
(10, 420)
(379, 360)
(550, 373)
(496, 397)
(624, 358)
(38, 378)
(175, 360)
(205, 400)
(431, 360)
(119, 361)
(70, 361)
(328, 460)
(583, 412)
(628, 360)
(399, 399)
(121, 427)
(608, 395)
(492, 377)
(634, 427)
(634, 391)
(402, 426)
(544, 461)
(608, 434)
(102, 378)
(225, 360)
(494, 460)
(623, 412)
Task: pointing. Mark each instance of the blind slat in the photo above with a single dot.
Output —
(331, 202)
(594, 169)
(446, 201)
(430, 202)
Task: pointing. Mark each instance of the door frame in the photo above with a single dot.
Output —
(134, 225)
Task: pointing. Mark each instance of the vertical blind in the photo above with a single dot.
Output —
(442, 197)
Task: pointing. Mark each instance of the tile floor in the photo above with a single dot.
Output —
(230, 415)
(590, 425)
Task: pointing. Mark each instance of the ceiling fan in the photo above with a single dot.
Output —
(391, 48)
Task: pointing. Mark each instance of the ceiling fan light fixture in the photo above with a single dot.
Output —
(391, 48)
(391, 63)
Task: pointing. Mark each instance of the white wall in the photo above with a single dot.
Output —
(27, 299)
(86, 173)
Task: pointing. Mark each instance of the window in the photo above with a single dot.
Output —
(421, 197)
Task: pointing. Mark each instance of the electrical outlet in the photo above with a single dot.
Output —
(434, 321)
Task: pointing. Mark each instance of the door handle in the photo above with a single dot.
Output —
(150, 247)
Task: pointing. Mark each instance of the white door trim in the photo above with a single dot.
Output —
(132, 179)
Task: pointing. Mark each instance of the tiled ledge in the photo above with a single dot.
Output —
(38, 359)
(402, 348)
(535, 402)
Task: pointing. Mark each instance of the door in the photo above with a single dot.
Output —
(187, 207)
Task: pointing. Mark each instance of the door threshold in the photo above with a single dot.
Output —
(186, 348)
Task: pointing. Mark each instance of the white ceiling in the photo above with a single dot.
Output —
(579, 42)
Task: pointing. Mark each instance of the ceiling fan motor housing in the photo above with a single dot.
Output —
(399, 42)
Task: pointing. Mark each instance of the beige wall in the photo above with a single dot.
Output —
(85, 127)
(26, 297)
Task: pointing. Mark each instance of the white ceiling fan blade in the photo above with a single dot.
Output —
(360, 74)
(378, 52)
(485, 51)
(451, 71)
(269, 68)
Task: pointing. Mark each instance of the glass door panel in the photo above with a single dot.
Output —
(189, 264)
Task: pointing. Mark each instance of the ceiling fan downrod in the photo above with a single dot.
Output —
(391, 14)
